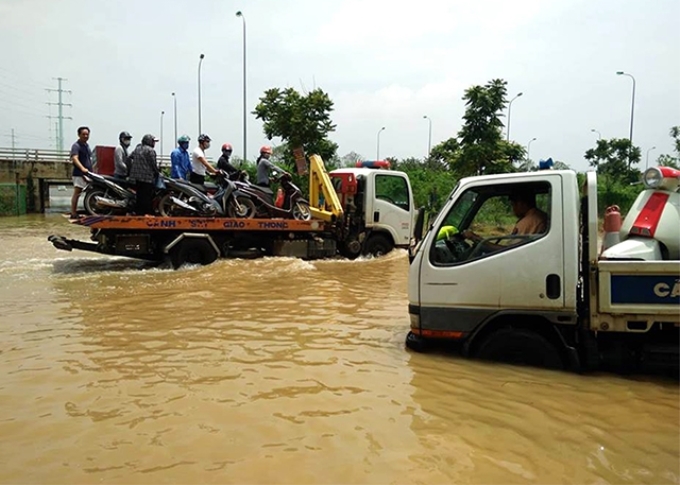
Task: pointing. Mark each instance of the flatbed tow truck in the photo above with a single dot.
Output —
(355, 211)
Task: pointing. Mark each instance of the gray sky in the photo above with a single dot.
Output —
(384, 63)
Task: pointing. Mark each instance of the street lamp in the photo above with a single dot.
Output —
(240, 14)
(174, 100)
(632, 112)
(529, 148)
(509, 112)
(647, 162)
(429, 136)
(379, 131)
(200, 61)
(599, 135)
(161, 137)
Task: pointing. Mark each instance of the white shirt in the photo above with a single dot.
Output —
(196, 166)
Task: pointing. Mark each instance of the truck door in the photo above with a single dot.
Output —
(392, 208)
(481, 259)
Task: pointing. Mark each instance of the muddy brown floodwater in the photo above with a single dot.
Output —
(283, 371)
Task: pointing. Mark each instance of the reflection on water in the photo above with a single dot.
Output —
(280, 370)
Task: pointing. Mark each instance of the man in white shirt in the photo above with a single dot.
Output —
(199, 164)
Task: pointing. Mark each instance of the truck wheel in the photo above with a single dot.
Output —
(91, 206)
(192, 251)
(350, 249)
(378, 245)
(520, 346)
(416, 342)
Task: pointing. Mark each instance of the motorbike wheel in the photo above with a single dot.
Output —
(301, 211)
(247, 210)
(91, 206)
(167, 208)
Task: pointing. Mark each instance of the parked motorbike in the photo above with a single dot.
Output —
(294, 206)
(106, 195)
(185, 199)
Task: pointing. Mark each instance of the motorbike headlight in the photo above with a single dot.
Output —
(652, 178)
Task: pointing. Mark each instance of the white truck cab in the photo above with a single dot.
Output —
(525, 284)
(379, 208)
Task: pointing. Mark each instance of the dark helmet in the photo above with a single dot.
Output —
(149, 140)
(203, 137)
(183, 139)
(124, 135)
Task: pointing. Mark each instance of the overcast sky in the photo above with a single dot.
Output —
(383, 63)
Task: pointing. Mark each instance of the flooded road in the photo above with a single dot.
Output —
(283, 371)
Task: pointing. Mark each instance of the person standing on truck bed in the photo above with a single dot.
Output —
(144, 172)
(199, 164)
(264, 166)
(180, 164)
(81, 157)
(531, 220)
(120, 156)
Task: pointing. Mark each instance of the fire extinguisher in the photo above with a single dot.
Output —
(612, 226)
(279, 198)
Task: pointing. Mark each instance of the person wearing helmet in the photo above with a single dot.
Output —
(180, 164)
(223, 163)
(144, 172)
(120, 156)
(264, 166)
(199, 164)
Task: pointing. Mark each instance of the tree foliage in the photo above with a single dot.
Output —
(670, 160)
(610, 157)
(299, 120)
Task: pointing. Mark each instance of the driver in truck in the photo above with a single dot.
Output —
(531, 220)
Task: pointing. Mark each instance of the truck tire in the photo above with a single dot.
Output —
(520, 346)
(416, 342)
(192, 251)
(90, 203)
(378, 245)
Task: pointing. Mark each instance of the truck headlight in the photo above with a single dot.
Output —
(652, 178)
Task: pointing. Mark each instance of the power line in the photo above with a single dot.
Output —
(21, 78)
(25, 94)
(60, 117)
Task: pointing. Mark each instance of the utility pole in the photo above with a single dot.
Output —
(60, 116)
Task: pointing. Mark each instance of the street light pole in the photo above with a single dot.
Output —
(161, 137)
(245, 136)
(647, 162)
(599, 135)
(529, 148)
(379, 131)
(632, 112)
(174, 100)
(200, 62)
(429, 137)
(509, 112)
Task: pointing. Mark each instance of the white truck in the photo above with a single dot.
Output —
(551, 298)
(353, 211)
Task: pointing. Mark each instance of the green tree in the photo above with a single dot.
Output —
(444, 155)
(670, 160)
(299, 120)
(610, 158)
(350, 159)
(482, 147)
